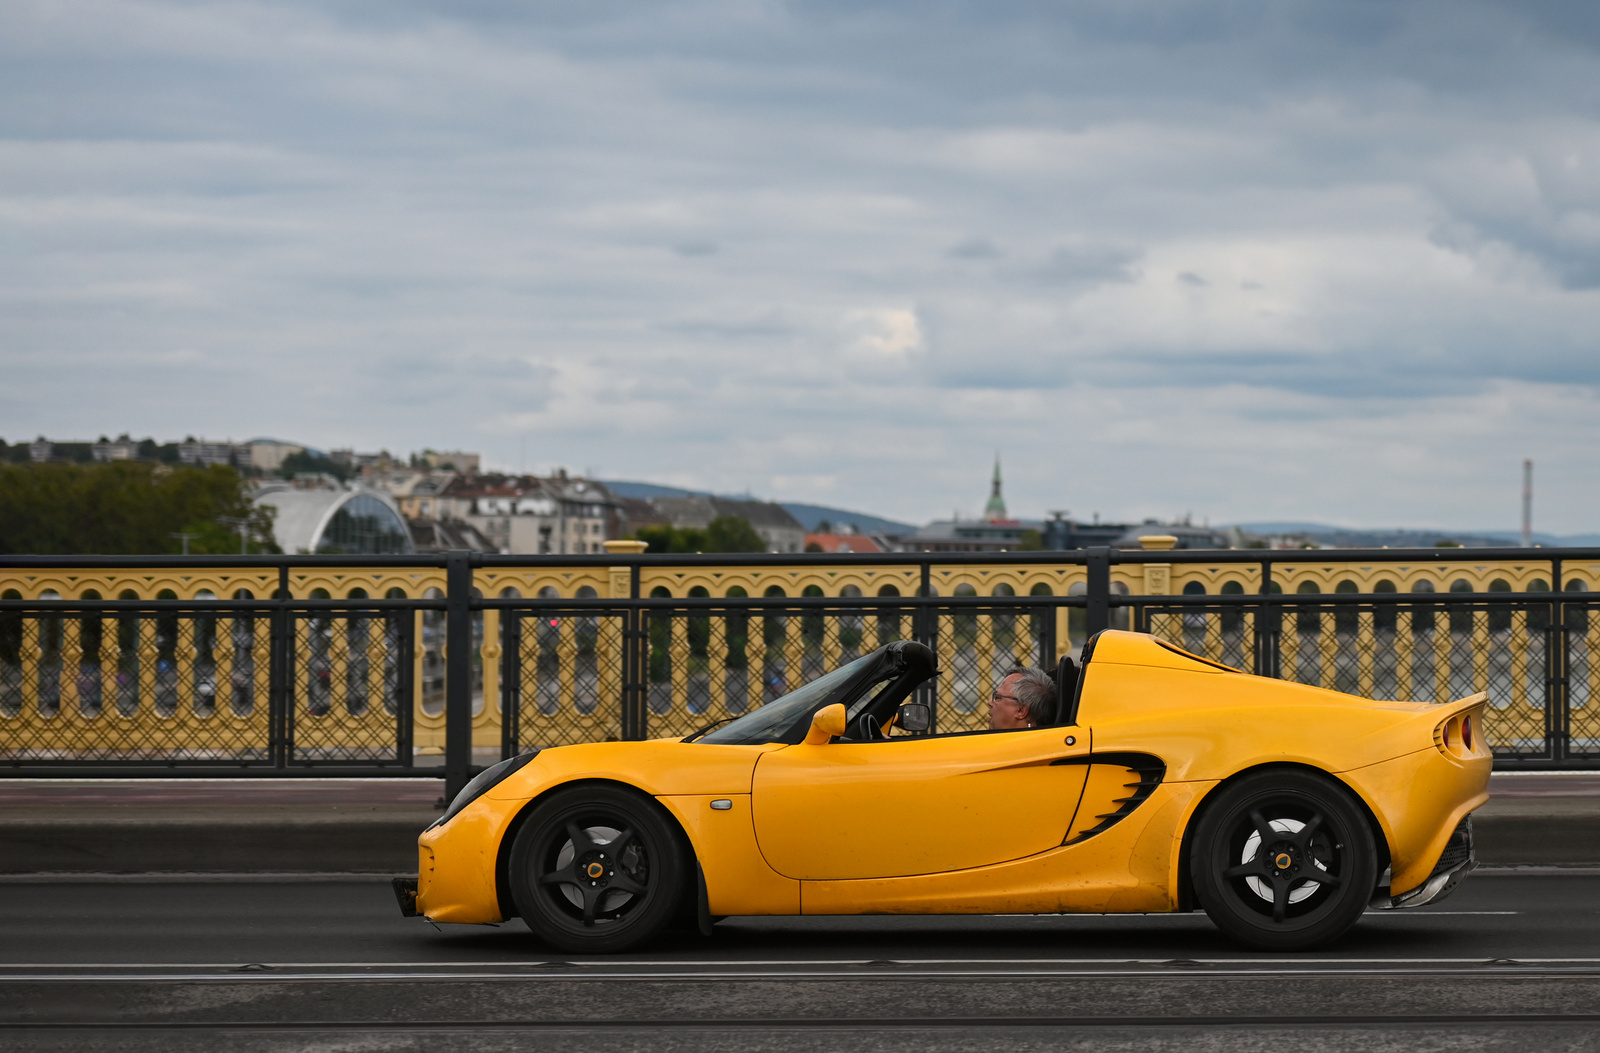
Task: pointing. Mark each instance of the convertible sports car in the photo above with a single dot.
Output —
(1168, 782)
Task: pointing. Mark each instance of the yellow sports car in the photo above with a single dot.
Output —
(1167, 782)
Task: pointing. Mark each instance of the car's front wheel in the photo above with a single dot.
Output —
(1284, 860)
(597, 869)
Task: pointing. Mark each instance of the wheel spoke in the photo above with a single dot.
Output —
(1254, 868)
(559, 877)
(1302, 837)
(1280, 898)
(618, 843)
(591, 900)
(1321, 877)
(1264, 828)
(581, 841)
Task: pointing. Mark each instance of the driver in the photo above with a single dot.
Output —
(1024, 698)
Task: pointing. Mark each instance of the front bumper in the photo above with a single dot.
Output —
(405, 890)
(1456, 861)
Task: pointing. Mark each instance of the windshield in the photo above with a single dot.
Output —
(771, 721)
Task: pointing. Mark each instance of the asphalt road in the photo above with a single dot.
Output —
(1509, 962)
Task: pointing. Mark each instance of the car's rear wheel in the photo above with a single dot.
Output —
(597, 869)
(1284, 860)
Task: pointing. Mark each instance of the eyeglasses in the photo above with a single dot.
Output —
(997, 696)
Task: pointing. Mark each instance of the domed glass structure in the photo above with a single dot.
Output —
(364, 525)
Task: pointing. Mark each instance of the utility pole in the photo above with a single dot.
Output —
(241, 524)
(1527, 503)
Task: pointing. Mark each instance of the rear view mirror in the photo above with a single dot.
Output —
(914, 717)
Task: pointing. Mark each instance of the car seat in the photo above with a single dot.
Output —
(1065, 675)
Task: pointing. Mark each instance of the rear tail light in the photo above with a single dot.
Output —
(1457, 737)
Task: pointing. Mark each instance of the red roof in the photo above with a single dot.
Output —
(843, 542)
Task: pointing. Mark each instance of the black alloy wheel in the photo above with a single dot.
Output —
(1284, 860)
(598, 869)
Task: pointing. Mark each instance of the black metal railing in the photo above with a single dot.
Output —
(407, 682)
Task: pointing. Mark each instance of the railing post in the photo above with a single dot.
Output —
(925, 627)
(457, 672)
(510, 683)
(636, 662)
(280, 689)
(405, 624)
(1097, 612)
(1557, 691)
(1268, 622)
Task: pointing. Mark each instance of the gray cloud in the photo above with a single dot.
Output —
(1340, 259)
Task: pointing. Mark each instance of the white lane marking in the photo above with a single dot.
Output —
(880, 974)
(1102, 963)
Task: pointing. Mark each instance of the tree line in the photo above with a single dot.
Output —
(723, 534)
(127, 508)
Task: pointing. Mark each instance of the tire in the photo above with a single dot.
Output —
(1284, 861)
(598, 869)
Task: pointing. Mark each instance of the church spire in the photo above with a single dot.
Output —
(996, 508)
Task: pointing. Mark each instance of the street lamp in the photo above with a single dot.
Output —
(185, 538)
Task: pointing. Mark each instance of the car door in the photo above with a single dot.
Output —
(916, 805)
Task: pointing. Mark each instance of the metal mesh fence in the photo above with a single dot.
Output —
(706, 666)
(976, 648)
(350, 699)
(204, 687)
(336, 685)
(563, 677)
(134, 686)
(1431, 652)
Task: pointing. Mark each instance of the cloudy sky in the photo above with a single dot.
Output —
(1248, 260)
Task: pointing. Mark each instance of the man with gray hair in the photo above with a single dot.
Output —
(1024, 698)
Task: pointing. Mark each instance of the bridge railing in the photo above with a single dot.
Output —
(318, 665)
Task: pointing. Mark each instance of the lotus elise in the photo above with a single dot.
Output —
(1167, 782)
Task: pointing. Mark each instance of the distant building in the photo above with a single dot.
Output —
(1062, 533)
(781, 531)
(993, 533)
(965, 535)
(447, 535)
(995, 510)
(843, 543)
(420, 495)
(636, 512)
(354, 461)
(268, 455)
(205, 454)
(1188, 536)
(335, 519)
(123, 449)
(456, 460)
(41, 450)
(519, 514)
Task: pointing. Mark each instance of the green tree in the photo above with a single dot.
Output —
(725, 534)
(733, 534)
(306, 461)
(124, 507)
(668, 539)
(1030, 541)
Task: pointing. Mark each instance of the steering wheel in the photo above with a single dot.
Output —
(871, 730)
